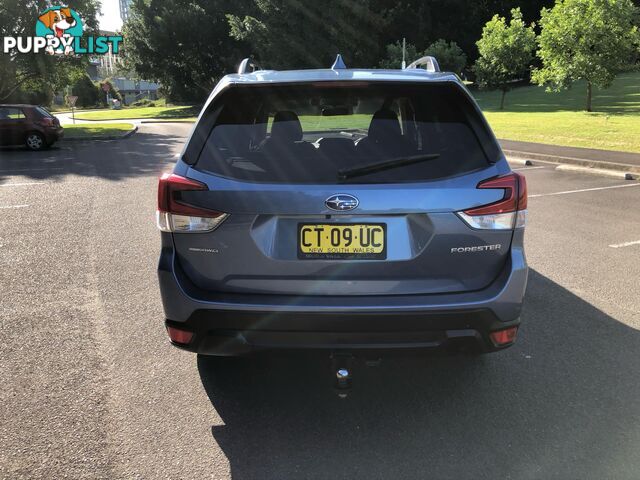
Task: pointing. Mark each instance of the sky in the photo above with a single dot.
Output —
(110, 18)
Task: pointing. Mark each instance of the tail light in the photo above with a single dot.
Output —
(505, 214)
(179, 336)
(504, 337)
(175, 215)
(47, 122)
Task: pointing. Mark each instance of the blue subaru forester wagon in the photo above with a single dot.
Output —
(341, 209)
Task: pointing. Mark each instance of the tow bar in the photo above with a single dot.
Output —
(341, 368)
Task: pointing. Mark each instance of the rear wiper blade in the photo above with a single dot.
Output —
(347, 173)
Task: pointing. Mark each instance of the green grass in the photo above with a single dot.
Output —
(164, 113)
(83, 130)
(533, 115)
(318, 123)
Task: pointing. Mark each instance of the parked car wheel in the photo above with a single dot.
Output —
(35, 141)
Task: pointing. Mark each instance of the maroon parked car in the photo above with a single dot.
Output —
(28, 125)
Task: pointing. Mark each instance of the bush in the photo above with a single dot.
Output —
(113, 92)
(393, 57)
(87, 92)
(450, 56)
(144, 102)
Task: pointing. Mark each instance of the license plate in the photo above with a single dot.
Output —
(342, 241)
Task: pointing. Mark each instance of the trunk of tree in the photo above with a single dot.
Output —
(504, 92)
(589, 97)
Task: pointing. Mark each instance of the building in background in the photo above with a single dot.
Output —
(106, 66)
(103, 66)
(124, 9)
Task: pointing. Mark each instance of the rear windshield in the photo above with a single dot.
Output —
(324, 132)
(43, 112)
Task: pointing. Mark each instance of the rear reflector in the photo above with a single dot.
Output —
(506, 213)
(176, 215)
(179, 336)
(503, 337)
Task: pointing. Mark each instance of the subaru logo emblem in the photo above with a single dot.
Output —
(341, 202)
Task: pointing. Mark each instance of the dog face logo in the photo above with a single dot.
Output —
(58, 21)
(59, 30)
(62, 23)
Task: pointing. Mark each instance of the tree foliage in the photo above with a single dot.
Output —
(586, 39)
(188, 52)
(309, 34)
(450, 56)
(88, 93)
(114, 93)
(426, 21)
(393, 55)
(183, 44)
(506, 52)
(23, 72)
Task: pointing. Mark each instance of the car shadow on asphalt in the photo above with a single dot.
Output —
(562, 403)
(144, 153)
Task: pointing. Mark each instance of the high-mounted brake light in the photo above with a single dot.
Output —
(176, 215)
(505, 214)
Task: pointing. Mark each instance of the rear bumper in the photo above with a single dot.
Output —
(53, 134)
(235, 324)
(231, 334)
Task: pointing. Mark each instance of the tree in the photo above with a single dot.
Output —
(308, 34)
(506, 51)
(585, 39)
(450, 56)
(393, 57)
(37, 72)
(87, 92)
(425, 21)
(114, 93)
(187, 52)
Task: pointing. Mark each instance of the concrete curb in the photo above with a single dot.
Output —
(598, 171)
(520, 161)
(102, 137)
(109, 120)
(141, 120)
(579, 162)
(177, 120)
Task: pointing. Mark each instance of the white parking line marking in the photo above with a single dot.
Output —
(14, 206)
(625, 244)
(526, 168)
(585, 190)
(22, 184)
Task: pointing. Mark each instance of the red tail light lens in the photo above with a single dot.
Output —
(522, 191)
(506, 213)
(47, 122)
(509, 202)
(175, 215)
(179, 336)
(168, 201)
(503, 337)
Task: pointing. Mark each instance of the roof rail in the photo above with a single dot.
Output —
(247, 63)
(430, 62)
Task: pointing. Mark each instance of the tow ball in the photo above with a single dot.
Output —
(342, 371)
(341, 367)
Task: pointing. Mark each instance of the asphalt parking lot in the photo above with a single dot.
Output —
(92, 389)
